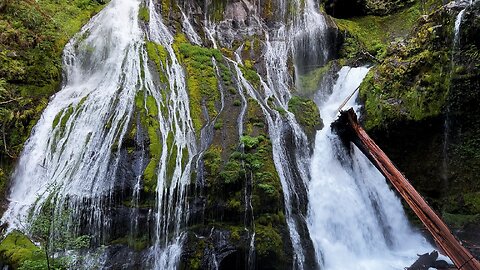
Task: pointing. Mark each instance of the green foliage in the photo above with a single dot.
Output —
(16, 248)
(372, 34)
(144, 14)
(232, 172)
(307, 114)
(33, 34)
(212, 159)
(251, 142)
(460, 220)
(218, 125)
(413, 80)
(35, 265)
(268, 242)
(3, 180)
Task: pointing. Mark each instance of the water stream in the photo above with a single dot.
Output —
(355, 220)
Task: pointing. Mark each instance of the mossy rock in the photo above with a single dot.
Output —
(269, 246)
(368, 38)
(16, 248)
(411, 83)
(202, 81)
(307, 114)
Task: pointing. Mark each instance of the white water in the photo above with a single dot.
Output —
(355, 220)
(172, 208)
(74, 165)
(458, 22)
(102, 68)
(106, 69)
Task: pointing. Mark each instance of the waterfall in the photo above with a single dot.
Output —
(73, 159)
(172, 204)
(458, 22)
(355, 220)
(70, 158)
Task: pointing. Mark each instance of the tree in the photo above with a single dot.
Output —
(50, 227)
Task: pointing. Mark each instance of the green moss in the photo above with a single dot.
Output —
(195, 260)
(218, 125)
(255, 118)
(307, 114)
(150, 176)
(373, 34)
(213, 160)
(310, 82)
(144, 14)
(147, 109)
(66, 117)
(171, 163)
(202, 81)
(412, 82)
(158, 54)
(251, 75)
(235, 234)
(16, 248)
(268, 242)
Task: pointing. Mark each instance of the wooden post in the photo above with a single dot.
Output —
(349, 129)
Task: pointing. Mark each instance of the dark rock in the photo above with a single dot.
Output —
(424, 261)
(348, 8)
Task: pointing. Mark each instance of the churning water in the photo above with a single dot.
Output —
(72, 157)
(355, 220)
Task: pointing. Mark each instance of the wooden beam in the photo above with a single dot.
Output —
(350, 130)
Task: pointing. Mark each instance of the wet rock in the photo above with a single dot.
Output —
(239, 23)
(424, 261)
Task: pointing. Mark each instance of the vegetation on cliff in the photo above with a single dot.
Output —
(423, 83)
(32, 37)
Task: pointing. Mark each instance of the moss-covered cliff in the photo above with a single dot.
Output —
(419, 87)
(419, 100)
(32, 37)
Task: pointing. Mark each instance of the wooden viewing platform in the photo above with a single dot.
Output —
(350, 130)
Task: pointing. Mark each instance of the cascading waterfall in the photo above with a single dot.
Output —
(458, 23)
(172, 208)
(71, 153)
(75, 149)
(70, 159)
(446, 132)
(355, 220)
(305, 33)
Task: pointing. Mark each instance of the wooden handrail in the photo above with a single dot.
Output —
(349, 129)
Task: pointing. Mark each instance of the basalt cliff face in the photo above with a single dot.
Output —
(201, 157)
